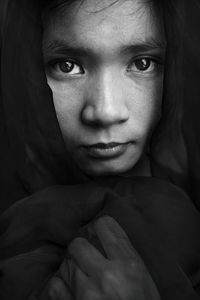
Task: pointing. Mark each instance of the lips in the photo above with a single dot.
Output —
(106, 150)
(104, 145)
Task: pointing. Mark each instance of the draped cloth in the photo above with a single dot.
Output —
(159, 218)
(175, 145)
(161, 221)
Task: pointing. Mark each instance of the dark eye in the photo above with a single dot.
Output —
(143, 65)
(68, 67)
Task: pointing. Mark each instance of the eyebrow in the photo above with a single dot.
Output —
(144, 46)
(62, 47)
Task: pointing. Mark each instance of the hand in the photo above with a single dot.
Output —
(55, 289)
(120, 276)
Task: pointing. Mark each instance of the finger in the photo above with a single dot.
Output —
(64, 272)
(86, 256)
(114, 239)
(81, 285)
(58, 290)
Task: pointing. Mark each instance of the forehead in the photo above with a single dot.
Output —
(104, 23)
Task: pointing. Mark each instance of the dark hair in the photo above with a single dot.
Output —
(168, 131)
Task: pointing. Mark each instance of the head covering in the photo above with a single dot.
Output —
(159, 219)
(175, 145)
(33, 134)
(34, 152)
(37, 148)
(157, 216)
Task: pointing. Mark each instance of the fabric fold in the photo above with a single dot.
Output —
(160, 220)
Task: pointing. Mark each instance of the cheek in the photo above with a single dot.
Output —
(145, 106)
(68, 105)
(156, 98)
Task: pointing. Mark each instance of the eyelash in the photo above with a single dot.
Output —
(68, 63)
(151, 62)
(53, 65)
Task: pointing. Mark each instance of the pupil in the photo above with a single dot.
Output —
(142, 64)
(66, 66)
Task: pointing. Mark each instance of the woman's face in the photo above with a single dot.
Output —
(104, 65)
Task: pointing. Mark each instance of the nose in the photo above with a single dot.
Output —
(105, 101)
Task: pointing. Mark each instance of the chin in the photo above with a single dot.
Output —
(108, 168)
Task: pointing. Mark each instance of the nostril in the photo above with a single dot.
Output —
(104, 115)
(88, 115)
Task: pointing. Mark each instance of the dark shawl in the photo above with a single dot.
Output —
(160, 219)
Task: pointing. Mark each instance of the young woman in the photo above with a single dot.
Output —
(82, 94)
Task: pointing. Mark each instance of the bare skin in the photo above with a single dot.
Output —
(104, 65)
(88, 275)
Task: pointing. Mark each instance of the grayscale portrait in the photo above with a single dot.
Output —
(100, 150)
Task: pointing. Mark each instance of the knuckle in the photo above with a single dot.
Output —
(109, 276)
(110, 282)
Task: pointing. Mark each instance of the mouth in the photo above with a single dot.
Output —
(106, 150)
